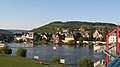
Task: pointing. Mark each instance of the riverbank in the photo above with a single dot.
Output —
(70, 53)
(13, 61)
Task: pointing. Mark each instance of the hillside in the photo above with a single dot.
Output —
(17, 31)
(5, 32)
(58, 26)
(6, 36)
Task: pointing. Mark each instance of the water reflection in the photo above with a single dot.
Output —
(16, 45)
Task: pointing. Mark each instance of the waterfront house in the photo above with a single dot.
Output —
(17, 38)
(55, 38)
(68, 38)
(84, 34)
(23, 37)
(44, 37)
(97, 34)
(30, 36)
(112, 38)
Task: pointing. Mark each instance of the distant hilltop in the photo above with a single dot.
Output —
(17, 31)
(59, 26)
(5, 32)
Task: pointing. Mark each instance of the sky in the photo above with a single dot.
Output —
(29, 14)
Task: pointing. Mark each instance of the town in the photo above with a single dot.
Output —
(59, 33)
(65, 35)
(92, 37)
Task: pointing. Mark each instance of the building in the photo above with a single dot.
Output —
(112, 38)
(18, 38)
(81, 29)
(97, 34)
(55, 38)
(84, 34)
(44, 37)
(30, 35)
(68, 38)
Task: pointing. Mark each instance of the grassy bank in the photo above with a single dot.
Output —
(13, 61)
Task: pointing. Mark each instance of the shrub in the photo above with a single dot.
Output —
(85, 62)
(21, 52)
(55, 60)
(59, 43)
(5, 50)
(81, 42)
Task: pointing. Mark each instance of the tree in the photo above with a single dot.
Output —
(56, 60)
(77, 36)
(85, 62)
(81, 41)
(21, 52)
(100, 39)
(106, 30)
(5, 50)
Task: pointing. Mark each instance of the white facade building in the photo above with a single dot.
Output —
(112, 38)
(30, 35)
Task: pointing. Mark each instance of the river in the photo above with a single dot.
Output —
(46, 52)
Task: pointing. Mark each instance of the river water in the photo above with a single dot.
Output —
(46, 52)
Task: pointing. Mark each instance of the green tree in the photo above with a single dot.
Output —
(56, 60)
(81, 41)
(100, 39)
(5, 50)
(106, 30)
(77, 36)
(21, 52)
(85, 62)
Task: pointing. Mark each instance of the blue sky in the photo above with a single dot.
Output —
(29, 14)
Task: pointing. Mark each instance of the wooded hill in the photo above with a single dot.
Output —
(5, 32)
(59, 26)
(6, 36)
